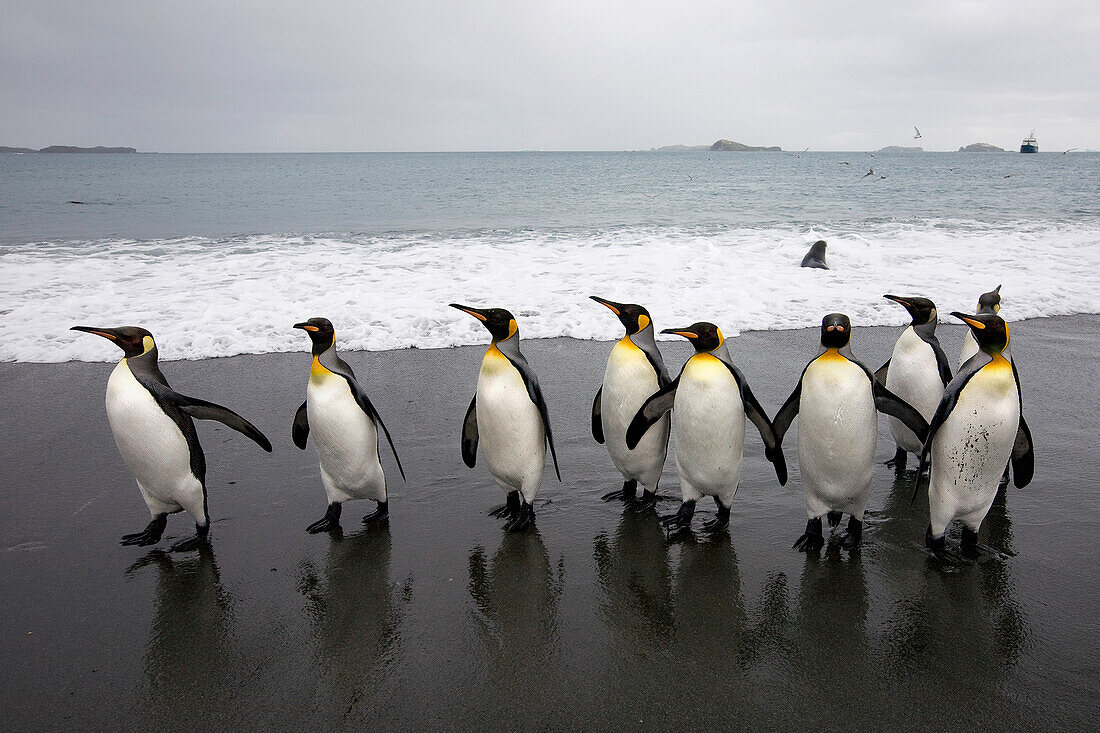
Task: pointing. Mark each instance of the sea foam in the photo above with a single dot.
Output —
(204, 297)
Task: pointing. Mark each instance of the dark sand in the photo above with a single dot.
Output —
(592, 621)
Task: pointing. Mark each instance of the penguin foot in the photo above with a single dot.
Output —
(379, 514)
(852, 536)
(939, 548)
(201, 538)
(969, 543)
(834, 519)
(813, 539)
(148, 536)
(509, 508)
(721, 522)
(679, 522)
(647, 501)
(627, 493)
(523, 519)
(898, 461)
(329, 522)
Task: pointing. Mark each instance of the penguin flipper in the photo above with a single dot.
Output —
(947, 404)
(597, 416)
(1023, 456)
(880, 373)
(469, 435)
(889, 403)
(650, 412)
(788, 411)
(773, 449)
(299, 431)
(203, 410)
(534, 391)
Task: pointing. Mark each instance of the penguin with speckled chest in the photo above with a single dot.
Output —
(711, 399)
(978, 427)
(917, 372)
(345, 428)
(509, 418)
(988, 303)
(837, 401)
(635, 370)
(155, 434)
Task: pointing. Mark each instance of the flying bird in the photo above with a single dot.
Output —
(1063, 153)
(918, 135)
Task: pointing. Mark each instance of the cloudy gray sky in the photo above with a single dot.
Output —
(347, 75)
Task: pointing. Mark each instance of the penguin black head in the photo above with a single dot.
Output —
(634, 317)
(990, 302)
(921, 309)
(321, 333)
(836, 331)
(133, 340)
(703, 336)
(990, 331)
(500, 323)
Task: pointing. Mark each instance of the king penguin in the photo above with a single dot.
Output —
(508, 416)
(916, 372)
(345, 431)
(635, 370)
(154, 431)
(978, 427)
(837, 401)
(711, 399)
(988, 303)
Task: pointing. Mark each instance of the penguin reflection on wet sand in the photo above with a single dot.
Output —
(837, 401)
(977, 428)
(508, 416)
(711, 399)
(917, 372)
(155, 434)
(635, 370)
(345, 431)
(189, 653)
(357, 612)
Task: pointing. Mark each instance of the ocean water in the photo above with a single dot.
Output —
(221, 254)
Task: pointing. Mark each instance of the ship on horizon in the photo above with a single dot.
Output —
(1030, 144)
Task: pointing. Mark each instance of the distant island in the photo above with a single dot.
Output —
(67, 149)
(899, 149)
(980, 148)
(718, 146)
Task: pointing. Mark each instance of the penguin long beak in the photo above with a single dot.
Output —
(476, 313)
(107, 333)
(898, 299)
(615, 308)
(969, 320)
(685, 332)
(307, 327)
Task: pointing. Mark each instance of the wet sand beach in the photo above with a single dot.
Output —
(441, 621)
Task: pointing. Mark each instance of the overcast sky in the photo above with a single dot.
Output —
(429, 75)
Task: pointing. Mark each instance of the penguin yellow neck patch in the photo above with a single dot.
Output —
(831, 355)
(317, 370)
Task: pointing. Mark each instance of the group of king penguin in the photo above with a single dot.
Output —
(967, 428)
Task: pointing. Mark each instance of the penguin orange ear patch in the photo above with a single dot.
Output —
(643, 321)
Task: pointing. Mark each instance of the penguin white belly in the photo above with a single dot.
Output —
(628, 382)
(710, 429)
(837, 431)
(152, 446)
(970, 347)
(346, 440)
(509, 427)
(914, 376)
(971, 448)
